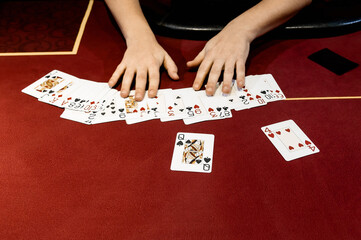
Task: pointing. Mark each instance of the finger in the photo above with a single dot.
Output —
(140, 83)
(197, 60)
(227, 77)
(153, 81)
(127, 82)
(116, 75)
(171, 67)
(240, 72)
(201, 74)
(213, 77)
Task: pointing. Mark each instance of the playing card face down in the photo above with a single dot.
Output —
(290, 140)
(332, 61)
(193, 152)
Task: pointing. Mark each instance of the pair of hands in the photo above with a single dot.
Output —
(227, 51)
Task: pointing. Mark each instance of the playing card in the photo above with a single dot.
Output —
(266, 86)
(63, 96)
(157, 104)
(137, 111)
(217, 107)
(193, 105)
(79, 116)
(232, 98)
(289, 140)
(193, 152)
(247, 99)
(174, 108)
(87, 97)
(48, 84)
(111, 109)
(332, 61)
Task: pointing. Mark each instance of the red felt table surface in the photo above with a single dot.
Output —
(63, 180)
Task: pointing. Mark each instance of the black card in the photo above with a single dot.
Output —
(332, 61)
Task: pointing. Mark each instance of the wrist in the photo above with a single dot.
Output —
(241, 30)
(139, 39)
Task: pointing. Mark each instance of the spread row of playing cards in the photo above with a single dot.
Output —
(92, 102)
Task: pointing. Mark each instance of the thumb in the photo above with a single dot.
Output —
(197, 60)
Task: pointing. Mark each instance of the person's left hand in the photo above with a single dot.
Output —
(227, 51)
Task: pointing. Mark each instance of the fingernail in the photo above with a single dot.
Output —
(225, 94)
(151, 93)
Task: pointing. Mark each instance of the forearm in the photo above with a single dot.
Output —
(267, 15)
(131, 21)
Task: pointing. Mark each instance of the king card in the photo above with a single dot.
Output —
(193, 152)
(48, 84)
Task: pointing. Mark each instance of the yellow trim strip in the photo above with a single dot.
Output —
(82, 27)
(324, 98)
(76, 43)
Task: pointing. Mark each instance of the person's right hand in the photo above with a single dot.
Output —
(142, 60)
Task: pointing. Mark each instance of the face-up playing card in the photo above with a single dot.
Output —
(174, 108)
(63, 96)
(289, 140)
(232, 98)
(217, 107)
(48, 84)
(193, 105)
(193, 152)
(137, 111)
(133, 108)
(87, 97)
(157, 104)
(266, 86)
(79, 116)
(111, 110)
(247, 99)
